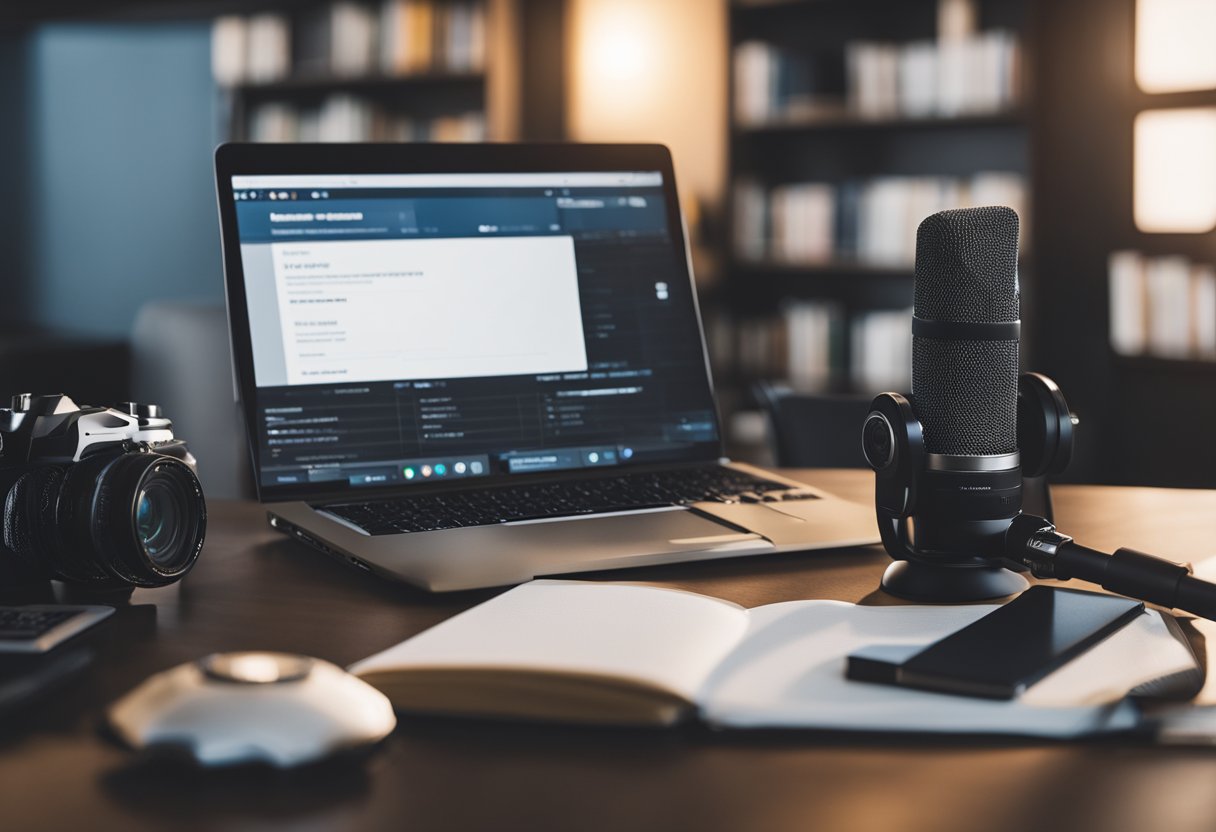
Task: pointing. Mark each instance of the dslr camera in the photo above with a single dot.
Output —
(100, 496)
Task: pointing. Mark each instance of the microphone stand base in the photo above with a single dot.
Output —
(919, 581)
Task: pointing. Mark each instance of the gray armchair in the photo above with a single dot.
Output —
(814, 430)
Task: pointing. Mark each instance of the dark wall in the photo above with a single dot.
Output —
(1082, 199)
(123, 126)
(14, 150)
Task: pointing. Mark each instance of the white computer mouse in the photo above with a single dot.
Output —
(276, 708)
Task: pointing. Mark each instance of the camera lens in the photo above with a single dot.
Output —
(148, 519)
(164, 510)
(126, 518)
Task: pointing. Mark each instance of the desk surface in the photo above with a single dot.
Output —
(255, 589)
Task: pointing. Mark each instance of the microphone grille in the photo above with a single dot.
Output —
(965, 391)
(966, 266)
(966, 395)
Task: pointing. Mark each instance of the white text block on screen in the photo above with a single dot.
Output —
(382, 310)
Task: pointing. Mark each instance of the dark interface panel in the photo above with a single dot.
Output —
(411, 329)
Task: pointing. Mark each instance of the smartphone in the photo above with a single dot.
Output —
(1013, 647)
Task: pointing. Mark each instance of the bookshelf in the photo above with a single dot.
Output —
(1141, 414)
(841, 139)
(354, 70)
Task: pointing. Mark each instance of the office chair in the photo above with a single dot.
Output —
(814, 430)
(180, 360)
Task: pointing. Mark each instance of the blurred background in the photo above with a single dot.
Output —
(810, 138)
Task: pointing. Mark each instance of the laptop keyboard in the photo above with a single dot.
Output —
(431, 512)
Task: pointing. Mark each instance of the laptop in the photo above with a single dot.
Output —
(466, 366)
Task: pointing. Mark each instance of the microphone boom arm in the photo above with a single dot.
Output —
(1034, 543)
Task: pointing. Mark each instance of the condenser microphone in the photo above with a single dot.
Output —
(965, 331)
(949, 480)
(948, 457)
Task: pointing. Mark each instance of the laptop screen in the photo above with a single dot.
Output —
(417, 328)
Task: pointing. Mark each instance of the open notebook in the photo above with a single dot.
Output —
(626, 653)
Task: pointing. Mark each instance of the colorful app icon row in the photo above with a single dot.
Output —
(440, 469)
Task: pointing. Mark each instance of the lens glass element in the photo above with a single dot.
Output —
(168, 514)
(158, 518)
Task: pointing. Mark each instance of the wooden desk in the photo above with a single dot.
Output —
(255, 589)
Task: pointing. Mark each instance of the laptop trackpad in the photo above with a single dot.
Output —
(779, 527)
(624, 539)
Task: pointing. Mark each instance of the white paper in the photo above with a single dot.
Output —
(1194, 723)
(789, 672)
(782, 665)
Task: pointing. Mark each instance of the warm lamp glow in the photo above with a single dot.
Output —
(1175, 170)
(618, 52)
(652, 71)
(1175, 45)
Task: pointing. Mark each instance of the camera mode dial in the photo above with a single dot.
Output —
(140, 410)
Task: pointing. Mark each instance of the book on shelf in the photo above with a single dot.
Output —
(774, 84)
(803, 343)
(229, 49)
(338, 39)
(814, 335)
(461, 36)
(616, 653)
(1162, 306)
(349, 39)
(803, 219)
(881, 350)
(866, 221)
(267, 43)
(407, 37)
(750, 219)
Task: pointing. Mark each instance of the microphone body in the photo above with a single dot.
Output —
(965, 337)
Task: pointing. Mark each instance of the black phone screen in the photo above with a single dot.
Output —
(1009, 649)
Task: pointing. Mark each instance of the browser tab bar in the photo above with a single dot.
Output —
(578, 179)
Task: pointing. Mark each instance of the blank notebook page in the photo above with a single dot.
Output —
(789, 671)
(664, 638)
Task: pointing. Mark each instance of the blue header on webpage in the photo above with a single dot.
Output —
(636, 211)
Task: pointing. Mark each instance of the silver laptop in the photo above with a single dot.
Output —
(469, 365)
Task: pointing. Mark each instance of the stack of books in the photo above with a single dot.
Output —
(867, 221)
(947, 78)
(951, 77)
(254, 50)
(350, 40)
(1162, 306)
(348, 118)
(804, 346)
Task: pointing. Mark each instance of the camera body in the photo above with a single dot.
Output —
(106, 497)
